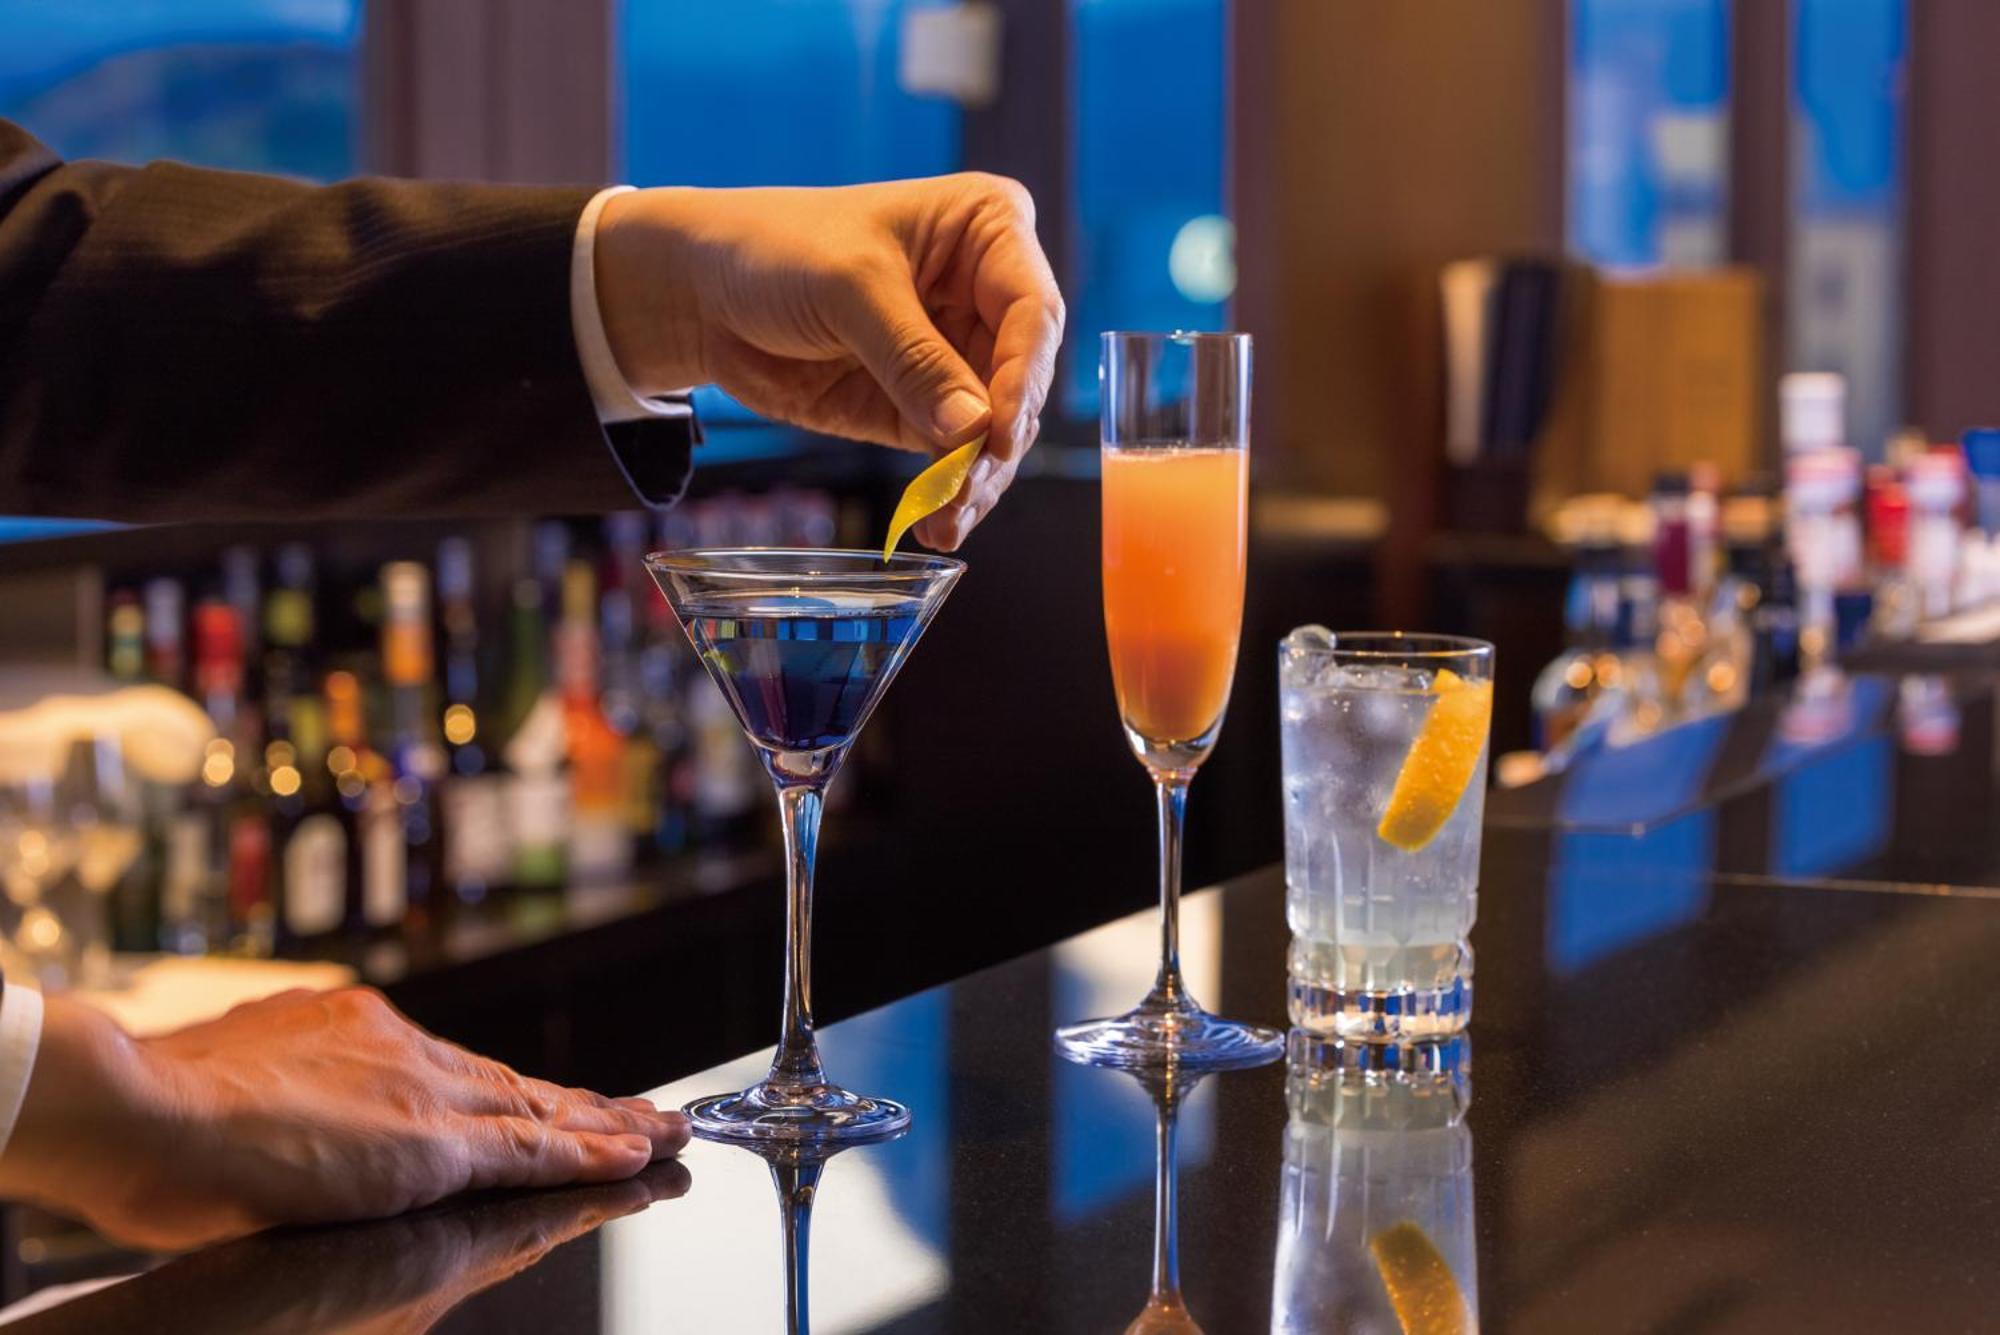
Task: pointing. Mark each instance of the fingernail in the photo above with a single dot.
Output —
(960, 412)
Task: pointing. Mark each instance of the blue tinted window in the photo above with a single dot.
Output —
(259, 85)
(1649, 131)
(1153, 250)
(1845, 295)
(776, 92)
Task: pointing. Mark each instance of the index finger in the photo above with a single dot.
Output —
(1016, 296)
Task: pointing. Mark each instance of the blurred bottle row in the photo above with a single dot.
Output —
(427, 736)
(1696, 598)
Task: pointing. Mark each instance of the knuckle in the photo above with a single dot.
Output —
(920, 359)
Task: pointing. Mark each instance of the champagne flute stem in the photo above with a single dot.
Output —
(1169, 991)
(1166, 1213)
(797, 1066)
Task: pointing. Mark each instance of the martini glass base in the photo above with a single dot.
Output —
(824, 1115)
(1155, 1038)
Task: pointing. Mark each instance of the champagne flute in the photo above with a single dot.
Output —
(1176, 434)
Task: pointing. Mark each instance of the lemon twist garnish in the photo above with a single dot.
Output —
(931, 490)
(1421, 1286)
(1440, 763)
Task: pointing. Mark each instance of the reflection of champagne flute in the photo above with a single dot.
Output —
(1176, 433)
(1166, 1313)
(1375, 1221)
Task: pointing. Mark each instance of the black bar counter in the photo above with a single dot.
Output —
(1700, 1093)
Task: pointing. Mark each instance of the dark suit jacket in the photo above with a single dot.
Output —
(178, 343)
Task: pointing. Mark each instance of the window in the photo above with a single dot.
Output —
(1153, 249)
(1845, 301)
(1649, 131)
(260, 85)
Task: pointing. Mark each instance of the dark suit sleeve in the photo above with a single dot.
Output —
(178, 343)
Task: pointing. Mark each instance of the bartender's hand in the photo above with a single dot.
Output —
(916, 314)
(302, 1108)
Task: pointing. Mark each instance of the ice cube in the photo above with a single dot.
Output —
(1309, 639)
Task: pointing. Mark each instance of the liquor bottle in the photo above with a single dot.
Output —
(317, 850)
(238, 907)
(1682, 639)
(1637, 640)
(537, 788)
(240, 589)
(289, 625)
(726, 789)
(479, 846)
(665, 661)
(365, 784)
(599, 846)
(415, 756)
(166, 645)
(623, 695)
(1568, 690)
(125, 638)
(1937, 487)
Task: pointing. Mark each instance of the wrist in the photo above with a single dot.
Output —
(96, 1108)
(644, 262)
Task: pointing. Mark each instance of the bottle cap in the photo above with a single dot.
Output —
(1812, 410)
(1982, 451)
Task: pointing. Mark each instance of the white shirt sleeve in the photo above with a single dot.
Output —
(616, 401)
(20, 1038)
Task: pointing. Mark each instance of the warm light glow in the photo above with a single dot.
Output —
(408, 790)
(284, 781)
(280, 754)
(1578, 676)
(351, 784)
(219, 768)
(341, 759)
(1721, 677)
(220, 746)
(460, 725)
(40, 929)
(34, 853)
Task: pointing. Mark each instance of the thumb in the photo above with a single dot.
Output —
(942, 403)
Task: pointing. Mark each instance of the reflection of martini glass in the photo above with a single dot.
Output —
(803, 643)
(795, 1169)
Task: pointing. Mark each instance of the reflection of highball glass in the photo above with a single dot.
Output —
(1376, 1142)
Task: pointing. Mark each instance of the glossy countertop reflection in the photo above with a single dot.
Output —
(1688, 1103)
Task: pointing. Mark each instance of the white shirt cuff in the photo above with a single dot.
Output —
(616, 401)
(20, 1038)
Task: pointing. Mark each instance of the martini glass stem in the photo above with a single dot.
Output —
(1169, 991)
(796, 1067)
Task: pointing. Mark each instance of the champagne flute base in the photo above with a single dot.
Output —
(821, 1115)
(1151, 1039)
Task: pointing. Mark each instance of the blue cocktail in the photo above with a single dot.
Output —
(803, 644)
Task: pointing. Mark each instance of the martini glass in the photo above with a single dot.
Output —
(1176, 433)
(803, 643)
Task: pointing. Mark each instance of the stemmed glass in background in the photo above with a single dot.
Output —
(1176, 434)
(803, 644)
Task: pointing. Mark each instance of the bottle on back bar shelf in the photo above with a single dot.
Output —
(166, 645)
(377, 893)
(125, 638)
(317, 854)
(415, 756)
(537, 789)
(236, 912)
(665, 662)
(1682, 642)
(622, 647)
(727, 788)
(479, 844)
(600, 848)
(1638, 626)
(1570, 688)
(1937, 486)
(241, 589)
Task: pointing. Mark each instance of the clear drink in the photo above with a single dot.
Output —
(1385, 758)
